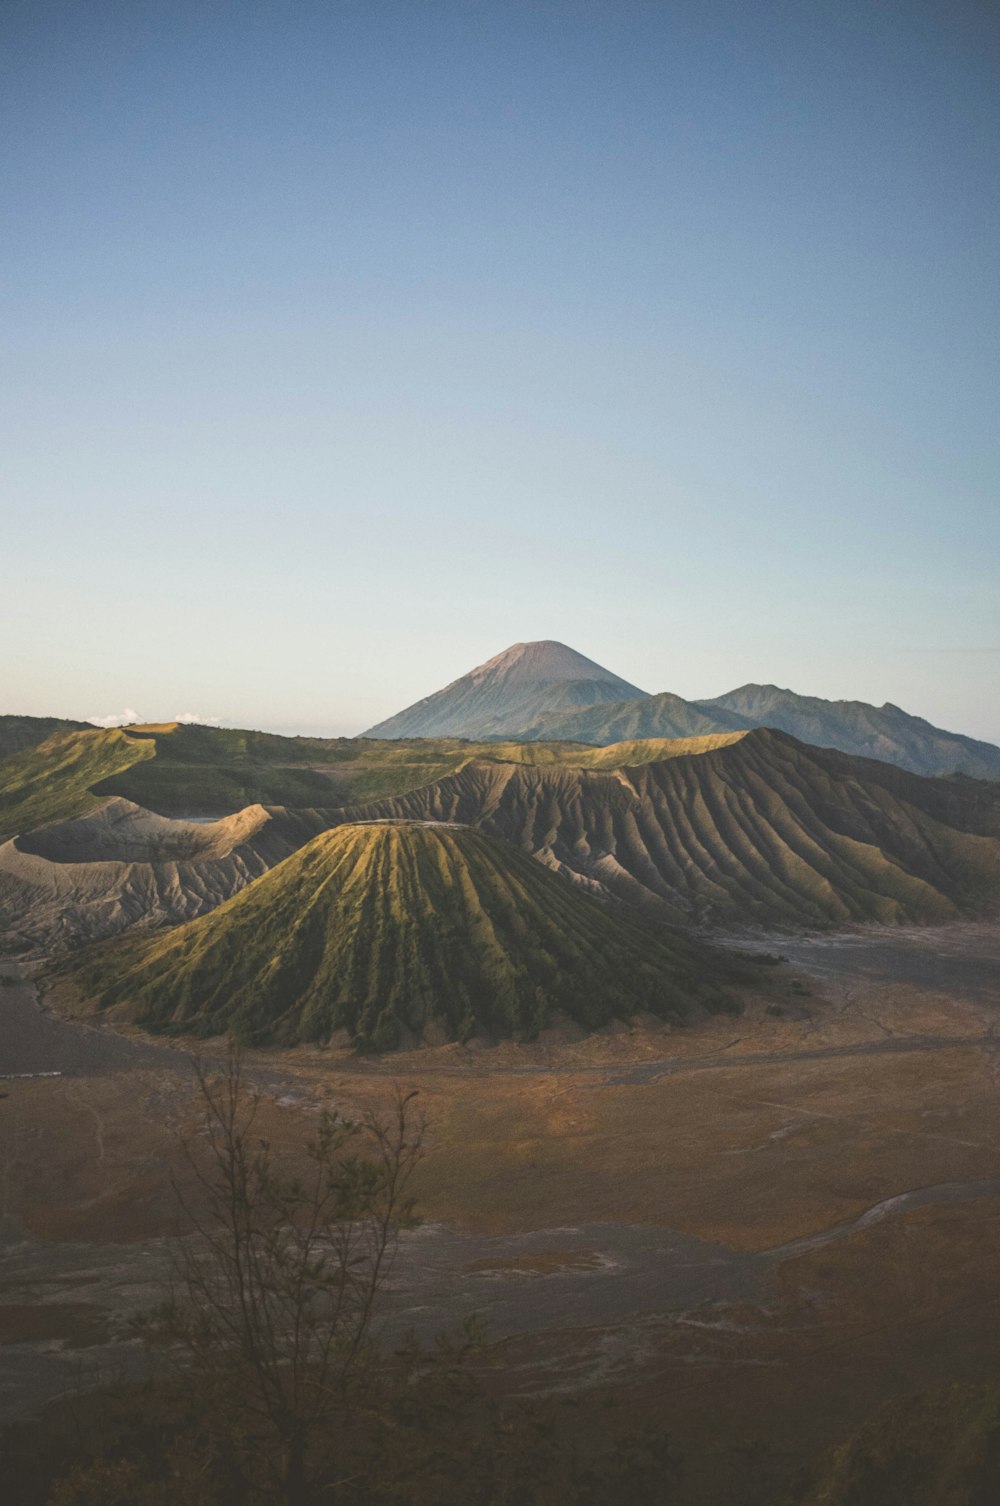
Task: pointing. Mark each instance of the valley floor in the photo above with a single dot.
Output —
(756, 1229)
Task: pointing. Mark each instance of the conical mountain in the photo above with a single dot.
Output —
(508, 693)
(393, 930)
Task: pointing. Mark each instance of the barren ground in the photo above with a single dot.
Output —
(755, 1229)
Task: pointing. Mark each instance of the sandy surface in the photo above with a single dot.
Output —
(798, 1211)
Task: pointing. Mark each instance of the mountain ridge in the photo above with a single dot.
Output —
(563, 706)
(761, 830)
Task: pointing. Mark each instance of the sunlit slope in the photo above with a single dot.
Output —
(390, 931)
(213, 770)
(20, 732)
(54, 781)
(210, 771)
(732, 827)
(762, 829)
(184, 771)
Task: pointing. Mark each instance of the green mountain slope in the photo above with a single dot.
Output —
(391, 929)
(883, 732)
(20, 732)
(760, 829)
(182, 771)
(651, 716)
(54, 781)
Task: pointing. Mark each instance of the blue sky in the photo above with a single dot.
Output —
(347, 343)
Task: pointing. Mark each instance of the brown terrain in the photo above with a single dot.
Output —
(754, 1229)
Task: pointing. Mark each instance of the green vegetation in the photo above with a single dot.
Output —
(20, 732)
(939, 1448)
(54, 781)
(389, 930)
(211, 771)
(216, 770)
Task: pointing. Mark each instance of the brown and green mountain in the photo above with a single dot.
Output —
(58, 779)
(83, 863)
(183, 772)
(649, 717)
(884, 732)
(395, 931)
(732, 828)
(509, 692)
(758, 829)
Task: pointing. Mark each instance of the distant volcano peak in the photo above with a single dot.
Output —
(506, 694)
(540, 663)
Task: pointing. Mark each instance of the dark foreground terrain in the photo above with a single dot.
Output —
(756, 1229)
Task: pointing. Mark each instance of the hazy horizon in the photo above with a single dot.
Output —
(332, 728)
(348, 345)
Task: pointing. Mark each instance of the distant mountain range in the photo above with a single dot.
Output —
(547, 692)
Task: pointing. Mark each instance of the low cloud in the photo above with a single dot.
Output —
(116, 719)
(192, 719)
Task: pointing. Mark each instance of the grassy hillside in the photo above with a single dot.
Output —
(212, 771)
(20, 732)
(54, 781)
(388, 929)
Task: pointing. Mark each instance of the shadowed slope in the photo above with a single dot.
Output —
(651, 716)
(762, 829)
(886, 732)
(386, 929)
(79, 880)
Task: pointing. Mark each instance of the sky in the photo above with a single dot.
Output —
(345, 344)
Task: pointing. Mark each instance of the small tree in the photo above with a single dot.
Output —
(277, 1289)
